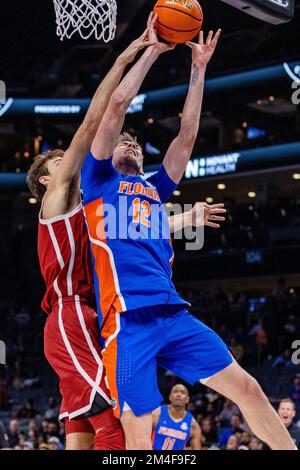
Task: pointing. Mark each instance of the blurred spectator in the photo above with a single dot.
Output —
(232, 443)
(255, 444)
(245, 438)
(260, 334)
(283, 360)
(52, 410)
(22, 438)
(4, 444)
(22, 317)
(294, 393)
(287, 412)
(229, 409)
(237, 349)
(13, 433)
(53, 428)
(236, 425)
(27, 446)
(209, 432)
(27, 411)
(43, 446)
(4, 396)
(53, 443)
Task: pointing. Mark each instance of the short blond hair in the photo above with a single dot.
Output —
(288, 400)
(38, 169)
(126, 137)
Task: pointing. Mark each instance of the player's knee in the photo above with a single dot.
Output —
(251, 390)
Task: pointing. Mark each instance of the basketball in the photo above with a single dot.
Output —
(178, 20)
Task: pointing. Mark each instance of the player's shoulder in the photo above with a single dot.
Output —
(189, 416)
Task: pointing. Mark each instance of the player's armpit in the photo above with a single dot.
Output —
(58, 201)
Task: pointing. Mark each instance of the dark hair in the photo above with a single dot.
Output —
(38, 169)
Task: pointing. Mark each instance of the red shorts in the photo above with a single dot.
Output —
(72, 347)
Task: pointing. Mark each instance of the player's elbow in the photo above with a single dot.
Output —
(188, 136)
(118, 102)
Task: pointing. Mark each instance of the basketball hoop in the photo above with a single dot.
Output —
(87, 17)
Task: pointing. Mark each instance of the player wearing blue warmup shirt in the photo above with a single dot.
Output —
(144, 321)
(173, 425)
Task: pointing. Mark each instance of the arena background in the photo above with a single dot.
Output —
(245, 282)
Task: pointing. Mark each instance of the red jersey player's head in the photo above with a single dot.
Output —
(179, 396)
(128, 156)
(42, 169)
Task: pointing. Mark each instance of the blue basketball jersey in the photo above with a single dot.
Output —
(169, 434)
(130, 236)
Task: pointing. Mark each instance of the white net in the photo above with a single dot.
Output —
(87, 17)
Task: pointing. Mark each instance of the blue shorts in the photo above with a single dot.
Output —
(160, 335)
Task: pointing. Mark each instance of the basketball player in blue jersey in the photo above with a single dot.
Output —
(173, 425)
(144, 321)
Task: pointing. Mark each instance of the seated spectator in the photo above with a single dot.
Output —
(27, 446)
(283, 360)
(287, 413)
(255, 444)
(237, 349)
(229, 409)
(33, 438)
(4, 444)
(22, 438)
(4, 396)
(27, 411)
(236, 425)
(245, 438)
(53, 443)
(233, 443)
(43, 446)
(52, 410)
(294, 394)
(209, 432)
(13, 433)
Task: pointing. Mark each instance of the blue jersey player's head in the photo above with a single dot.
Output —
(128, 156)
(179, 397)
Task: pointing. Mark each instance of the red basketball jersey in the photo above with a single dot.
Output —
(64, 256)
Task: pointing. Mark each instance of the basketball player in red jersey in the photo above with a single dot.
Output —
(71, 336)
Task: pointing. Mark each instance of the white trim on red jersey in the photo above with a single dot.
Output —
(93, 383)
(68, 215)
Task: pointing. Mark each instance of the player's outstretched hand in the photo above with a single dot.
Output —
(208, 214)
(147, 39)
(203, 51)
(136, 46)
(160, 47)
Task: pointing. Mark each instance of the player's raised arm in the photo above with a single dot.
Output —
(181, 148)
(75, 155)
(113, 120)
(202, 214)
